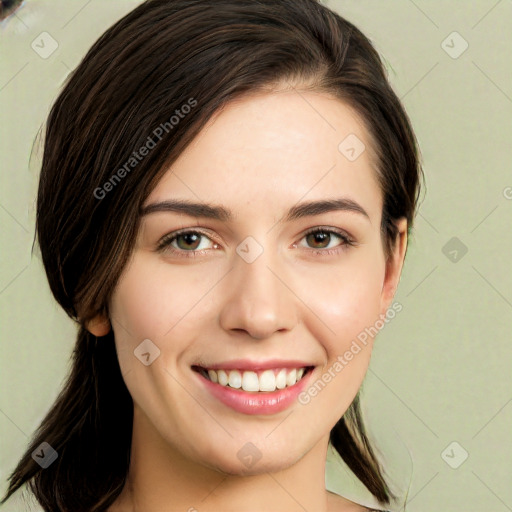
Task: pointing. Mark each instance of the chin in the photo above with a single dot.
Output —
(247, 461)
(259, 468)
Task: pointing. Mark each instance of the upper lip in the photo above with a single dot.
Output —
(248, 365)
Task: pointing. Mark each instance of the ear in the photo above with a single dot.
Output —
(394, 265)
(99, 325)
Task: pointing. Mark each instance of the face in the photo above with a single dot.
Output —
(246, 286)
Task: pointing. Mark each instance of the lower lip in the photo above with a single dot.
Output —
(245, 402)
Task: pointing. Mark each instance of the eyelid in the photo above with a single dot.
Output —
(329, 229)
(165, 242)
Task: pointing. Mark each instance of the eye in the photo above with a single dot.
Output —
(191, 243)
(320, 239)
(183, 242)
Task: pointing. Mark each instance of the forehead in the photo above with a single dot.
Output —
(277, 149)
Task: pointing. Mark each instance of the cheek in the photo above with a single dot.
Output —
(163, 304)
(345, 299)
(346, 307)
(151, 301)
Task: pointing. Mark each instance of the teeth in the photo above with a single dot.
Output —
(291, 377)
(250, 381)
(268, 380)
(235, 379)
(281, 379)
(222, 377)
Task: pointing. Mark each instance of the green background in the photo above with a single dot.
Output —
(441, 370)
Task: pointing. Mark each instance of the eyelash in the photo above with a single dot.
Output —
(165, 243)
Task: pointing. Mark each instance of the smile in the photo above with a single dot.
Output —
(255, 381)
(256, 391)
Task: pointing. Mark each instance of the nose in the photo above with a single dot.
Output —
(259, 301)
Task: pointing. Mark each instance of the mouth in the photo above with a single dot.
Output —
(255, 381)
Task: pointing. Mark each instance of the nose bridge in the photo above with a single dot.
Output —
(258, 301)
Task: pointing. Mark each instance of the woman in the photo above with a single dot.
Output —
(224, 205)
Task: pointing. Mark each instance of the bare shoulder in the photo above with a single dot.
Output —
(337, 503)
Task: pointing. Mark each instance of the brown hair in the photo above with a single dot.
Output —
(141, 72)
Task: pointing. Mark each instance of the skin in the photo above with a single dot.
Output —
(258, 157)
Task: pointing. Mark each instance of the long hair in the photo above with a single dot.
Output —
(163, 55)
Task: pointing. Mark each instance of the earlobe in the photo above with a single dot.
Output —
(99, 326)
(394, 265)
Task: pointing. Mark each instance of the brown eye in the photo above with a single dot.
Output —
(319, 239)
(186, 244)
(191, 240)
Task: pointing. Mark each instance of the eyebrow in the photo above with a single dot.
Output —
(210, 211)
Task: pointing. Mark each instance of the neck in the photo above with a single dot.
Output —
(162, 479)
